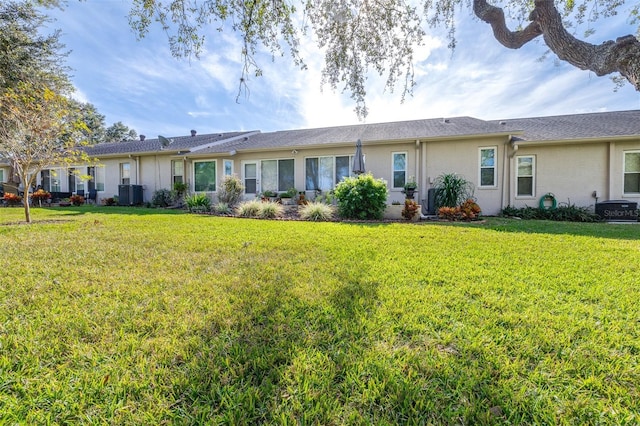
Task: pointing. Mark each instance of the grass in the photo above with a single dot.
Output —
(143, 316)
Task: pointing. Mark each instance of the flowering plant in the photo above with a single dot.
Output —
(77, 200)
(41, 194)
(12, 198)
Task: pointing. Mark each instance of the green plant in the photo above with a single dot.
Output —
(249, 208)
(270, 210)
(410, 209)
(162, 198)
(223, 208)
(180, 188)
(452, 190)
(269, 194)
(198, 203)
(316, 211)
(411, 184)
(361, 197)
(564, 212)
(231, 190)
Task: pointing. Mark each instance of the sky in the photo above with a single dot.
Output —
(139, 83)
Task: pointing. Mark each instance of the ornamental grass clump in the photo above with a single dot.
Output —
(317, 212)
(249, 208)
(270, 210)
(361, 197)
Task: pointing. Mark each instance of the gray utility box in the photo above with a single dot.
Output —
(130, 195)
(617, 211)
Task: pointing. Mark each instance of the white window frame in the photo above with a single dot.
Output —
(174, 175)
(533, 177)
(215, 182)
(393, 169)
(125, 167)
(227, 167)
(624, 171)
(494, 167)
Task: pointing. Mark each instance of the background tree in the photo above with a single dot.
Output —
(38, 129)
(38, 124)
(118, 132)
(360, 36)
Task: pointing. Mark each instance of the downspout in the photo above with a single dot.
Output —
(508, 165)
(417, 168)
(138, 170)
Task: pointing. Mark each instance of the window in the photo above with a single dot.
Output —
(399, 169)
(488, 168)
(125, 173)
(75, 180)
(204, 176)
(525, 176)
(1, 175)
(177, 171)
(228, 167)
(50, 180)
(325, 172)
(632, 172)
(250, 178)
(277, 175)
(97, 178)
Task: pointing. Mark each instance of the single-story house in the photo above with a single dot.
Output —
(580, 158)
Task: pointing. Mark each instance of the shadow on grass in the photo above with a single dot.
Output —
(630, 231)
(277, 358)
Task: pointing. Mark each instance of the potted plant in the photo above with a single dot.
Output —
(270, 195)
(410, 188)
(287, 197)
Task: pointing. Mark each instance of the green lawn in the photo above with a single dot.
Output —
(142, 316)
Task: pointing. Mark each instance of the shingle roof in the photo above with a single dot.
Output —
(400, 130)
(577, 126)
(552, 128)
(179, 143)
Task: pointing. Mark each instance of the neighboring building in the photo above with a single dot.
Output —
(510, 162)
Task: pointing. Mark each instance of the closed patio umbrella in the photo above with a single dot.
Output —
(358, 159)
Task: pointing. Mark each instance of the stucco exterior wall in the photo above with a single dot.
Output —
(463, 158)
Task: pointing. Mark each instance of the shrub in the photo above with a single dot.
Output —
(270, 210)
(222, 208)
(469, 210)
(448, 213)
(249, 208)
(111, 201)
(198, 203)
(230, 191)
(12, 199)
(77, 200)
(361, 197)
(162, 198)
(565, 212)
(316, 211)
(452, 190)
(410, 209)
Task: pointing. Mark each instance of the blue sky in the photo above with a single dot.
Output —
(142, 85)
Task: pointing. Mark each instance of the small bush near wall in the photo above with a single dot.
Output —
(564, 212)
(361, 197)
(230, 191)
(198, 203)
(162, 198)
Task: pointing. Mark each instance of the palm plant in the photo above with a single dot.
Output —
(452, 190)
